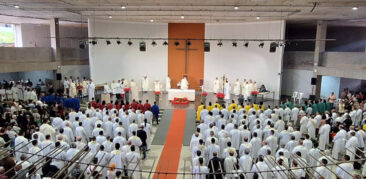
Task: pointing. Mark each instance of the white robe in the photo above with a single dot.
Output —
(324, 136)
(72, 91)
(184, 84)
(91, 90)
(145, 84)
(344, 170)
(236, 90)
(133, 163)
(227, 90)
(351, 145)
(157, 86)
(216, 86)
(167, 84)
(200, 172)
(245, 162)
(339, 142)
(134, 91)
(85, 86)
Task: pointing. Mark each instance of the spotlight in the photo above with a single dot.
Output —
(355, 8)
(118, 42)
(235, 44)
(220, 44)
(258, 17)
(108, 42)
(261, 45)
(16, 7)
(82, 44)
(246, 44)
(110, 17)
(152, 20)
(165, 43)
(94, 42)
(176, 43)
(236, 7)
(182, 17)
(129, 43)
(189, 43)
(153, 43)
(123, 7)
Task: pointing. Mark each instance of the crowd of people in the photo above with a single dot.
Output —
(284, 141)
(45, 137)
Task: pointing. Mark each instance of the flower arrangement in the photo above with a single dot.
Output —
(127, 90)
(220, 95)
(180, 101)
(254, 93)
(203, 94)
(156, 92)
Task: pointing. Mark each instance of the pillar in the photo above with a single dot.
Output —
(55, 38)
(321, 34)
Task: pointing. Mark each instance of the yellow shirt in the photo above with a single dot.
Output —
(232, 106)
(199, 109)
(247, 107)
(364, 127)
(256, 107)
(209, 108)
(218, 106)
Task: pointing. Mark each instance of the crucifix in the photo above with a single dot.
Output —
(186, 49)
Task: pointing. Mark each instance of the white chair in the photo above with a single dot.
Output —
(294, 96)
(300, 96)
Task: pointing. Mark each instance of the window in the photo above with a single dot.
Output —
(7, 35)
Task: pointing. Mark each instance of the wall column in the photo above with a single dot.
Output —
(321, 34)
(55, 38)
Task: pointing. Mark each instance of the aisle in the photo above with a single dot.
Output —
(170, 156)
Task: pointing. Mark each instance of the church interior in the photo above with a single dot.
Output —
(220, 89)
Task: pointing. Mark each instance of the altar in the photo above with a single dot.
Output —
(190, 94)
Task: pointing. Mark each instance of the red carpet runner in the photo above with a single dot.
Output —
(170, 156)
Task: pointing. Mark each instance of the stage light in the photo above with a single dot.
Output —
(246, 44)
(108, 42)
(176, 43)
(118, 42)
(123, 7)
(236, 7)
(355, 8)
(220, 44)
(82, 44)
(261, 45)
(153, 43)
(235, 44)
(152, 20)
(182, 17)
(258, 17)
(189, 43)
(129, 43)
(16, 7)
(94, 42)
(165, 43)
(110, 17)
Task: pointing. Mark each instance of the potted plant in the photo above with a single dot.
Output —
(254, 96)
(157, 96)
(220, 98)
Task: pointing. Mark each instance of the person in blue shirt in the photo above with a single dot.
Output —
(155, 110)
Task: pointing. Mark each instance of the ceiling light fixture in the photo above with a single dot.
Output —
(118, 42)
(176, 43)
(189, 43)
(246, 44)
(129, 43)
(355, 8)
(236, 7)
(220, 43)
(108, 42)
(16, 6)
(235, 44)
(165, 43)
(152, 20)
(153, 43)
(94, 42)
(110, 17)
(123, 7)
(182, 17)
(258, 17)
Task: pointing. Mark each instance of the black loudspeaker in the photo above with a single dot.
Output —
(206, 46)
(273, 46)
(313, 81)
(58, 76)
(142, 46)
(312, 97)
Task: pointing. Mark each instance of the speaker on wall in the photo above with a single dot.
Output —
(313, 81)
(206, 46)
(58, 76)
(142, 46)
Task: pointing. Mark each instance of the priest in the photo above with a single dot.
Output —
(134, 90)
(145, 84)
(167, 83)
(227, 89)
(184, 83)
(216, 85)
(236, 90)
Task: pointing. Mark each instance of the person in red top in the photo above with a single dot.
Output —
(134, 104)
(93, 103)
(110, 105)
(102, 106)
(80, 90)
(146, 106)
(127, 106)
(140, 106)
(118, 105)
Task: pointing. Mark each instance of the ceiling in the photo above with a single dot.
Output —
(207, 11)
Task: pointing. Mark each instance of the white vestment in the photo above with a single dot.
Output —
(145, 84)
(216, 86)
(167, 84)
(236, 90)
(134, 91)
(227, 90)
(132, 159)
(351, 145)
(339, 142)
(91, 90)
(184, 84)
(324, 136)
(157, 86)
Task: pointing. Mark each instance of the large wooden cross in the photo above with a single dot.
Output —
(186, 49)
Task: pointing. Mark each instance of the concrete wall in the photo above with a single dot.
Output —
(296, 80)
(330, 84)
(25, 54)
(75, 71)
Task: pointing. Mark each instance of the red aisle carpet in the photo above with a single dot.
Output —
(169, 158)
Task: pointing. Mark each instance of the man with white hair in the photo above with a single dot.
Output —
(80, 131)
(68, 132)
(21, 145)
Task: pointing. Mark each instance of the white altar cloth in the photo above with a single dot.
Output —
(190, 94)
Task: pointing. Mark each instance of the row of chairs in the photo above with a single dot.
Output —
(297, 96)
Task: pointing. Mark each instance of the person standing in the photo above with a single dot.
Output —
(143, 137)
(155, 110)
